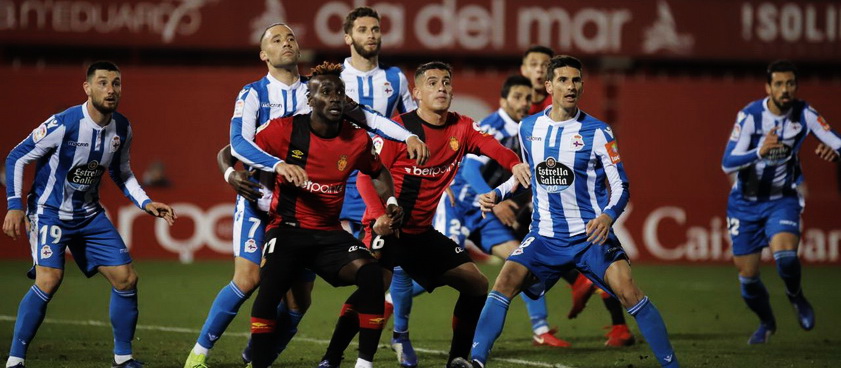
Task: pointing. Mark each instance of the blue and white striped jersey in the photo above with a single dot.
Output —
(572, 162)
(775, 176)
(256, 104)
(382, 89)
(72, 153)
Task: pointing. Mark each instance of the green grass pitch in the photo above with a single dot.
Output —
(707, 321)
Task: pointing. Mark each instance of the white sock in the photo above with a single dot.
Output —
(388, 298)
(541, 330)
(200, 350)
(362, 363)
(120, 359)
(13, 361)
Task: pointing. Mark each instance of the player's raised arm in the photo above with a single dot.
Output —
(244, 130)
(380, 125)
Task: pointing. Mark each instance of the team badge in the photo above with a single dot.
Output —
(737, 131)
(577, 142)
(115, 143)
(46, 252)
(388, 89)
(250, 246)
(613, 151)
(823, 123)
(553, 176)
(454, 143)
(297, 154)
(342, 163)
(39, 133)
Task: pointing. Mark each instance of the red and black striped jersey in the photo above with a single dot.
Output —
(418, 189)
(539, 106)
(327, 161)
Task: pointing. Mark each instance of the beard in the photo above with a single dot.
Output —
(360, 49)
(99, 105)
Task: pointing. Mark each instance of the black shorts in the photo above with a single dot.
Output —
(425, 256)
(324, 252)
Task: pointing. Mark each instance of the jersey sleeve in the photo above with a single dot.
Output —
(373, 203)
(471, 172)
(383, 126)
(267, 137)
(369, 162)
(738, 154)
(44, 138)
(486, 144)
(406, 102)
(821, 129)
(121, 174)
(607, 151)
(243, 131)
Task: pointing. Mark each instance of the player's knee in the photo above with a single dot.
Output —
(49, 282)
(629, 296)
(370, 275)
(299, 297)
(246, 282)
(126, 282)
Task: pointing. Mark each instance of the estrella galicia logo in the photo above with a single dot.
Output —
(779, 155)
(82, 177)
(553, 175)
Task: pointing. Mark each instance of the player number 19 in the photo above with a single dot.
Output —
(53, 231)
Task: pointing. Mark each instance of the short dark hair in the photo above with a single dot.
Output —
(780, 66)
(539, 49)
(326, 68)
(512, 81)
(101, 65)
(561, 61)
(433, 65)
(360, 12)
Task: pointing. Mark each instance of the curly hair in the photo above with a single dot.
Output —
(326, 68)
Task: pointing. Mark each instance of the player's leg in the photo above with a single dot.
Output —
(47, 242)
(292, 309)
(783, 228)
(401, 295)
(619, 334)
(123, 309)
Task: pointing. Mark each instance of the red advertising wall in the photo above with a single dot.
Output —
(671, 131)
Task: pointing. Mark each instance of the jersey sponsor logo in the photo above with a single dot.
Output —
(297, 154)
(39, 133)
(577, 142)
(553, 175)
(77, 144)
(324, 188)
(454, 143)
(789, 223)
(250, 246)
(430, 171)
(532, 138)
(115, 143)
(778, 155)
(271, 105)
(737, 131)
(238, 107)
(342, 163)
(823, 123)
(84, 176)
(613, 151)
(46, 252)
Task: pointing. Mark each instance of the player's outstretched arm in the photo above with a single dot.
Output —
(826, 153)
(12, 223)
(161, 210)
(237, 179)
(386, 128)
(292, 173)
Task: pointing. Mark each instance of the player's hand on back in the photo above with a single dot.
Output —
(506, 212)
(161, 210)
(771, 142)
(417, 150)
(598, 229)
(292, 174)
(487, 201)
(11, 225)
(240, 181)
(522, 172)
(826, 153)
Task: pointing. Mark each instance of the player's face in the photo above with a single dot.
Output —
(434, 90)
(566, 87)
(782, 89)
(103, 90)
(534, 68)
(327, 97)
(279, 47)
(366, 37)
(518, 102)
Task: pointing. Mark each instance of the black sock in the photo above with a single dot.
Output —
(465, 317)
(570, 276)
(369, 307)
(617, 314)
(346, 328)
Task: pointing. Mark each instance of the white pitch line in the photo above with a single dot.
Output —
(94, 323)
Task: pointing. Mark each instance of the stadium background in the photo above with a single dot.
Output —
(669, 75)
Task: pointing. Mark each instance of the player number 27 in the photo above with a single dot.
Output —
(733, 226)
(52, 230)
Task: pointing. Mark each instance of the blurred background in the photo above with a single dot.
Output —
(669, 76)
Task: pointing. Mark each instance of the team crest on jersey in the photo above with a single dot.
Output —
(84, 176)
(46, 252)
(250, 246)
(554, 176)
(342, 163)
(823, 123)
(238, 107)
(297, 154)
(39, 133)
(613, 152)
(737, 131)
(388, 89)
(115, 143)
(577, 142)
(454, 143)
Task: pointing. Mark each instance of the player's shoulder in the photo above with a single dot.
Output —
(591, 121)
(120, 119)
(494, 120)
(391, 69)
(280, 123)
(70, 115)
(754, 107)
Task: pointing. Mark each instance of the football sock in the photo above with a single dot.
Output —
(123, 312)
(465, 317)
(537, 314)
(285, 336)
(120, 359)
(13, 361)
(490, 326)
(31, 312)
(756, 297)
(570, 276)
(369, 307)
(276, 277)
(614, 307)
(346, 328)
(653, 328)
(788, 266)
(222, 312)
(401, 297)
